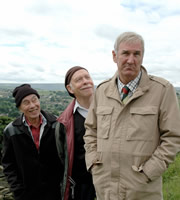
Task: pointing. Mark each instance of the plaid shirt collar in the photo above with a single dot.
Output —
(132, 85)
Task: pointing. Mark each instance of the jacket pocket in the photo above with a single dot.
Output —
(148, 110)
(143, 123)
(104, 114)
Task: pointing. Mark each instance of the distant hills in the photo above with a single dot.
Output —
(44, 86)
(38, 86)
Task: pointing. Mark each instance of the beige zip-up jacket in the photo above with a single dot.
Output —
(129, 146)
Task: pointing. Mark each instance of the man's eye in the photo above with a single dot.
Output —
(137, 53)
(34, 99)
(25, 103)
(87, 77)
(78, 80)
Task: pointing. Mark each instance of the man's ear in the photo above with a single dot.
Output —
(114, 56)
(69, 88)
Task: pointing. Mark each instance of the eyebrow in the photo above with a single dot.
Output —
(34, 96)
(134, 52)
(124, 50)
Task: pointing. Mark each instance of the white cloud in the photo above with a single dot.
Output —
(40, 40)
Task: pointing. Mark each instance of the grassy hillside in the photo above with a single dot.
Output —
(171, 181)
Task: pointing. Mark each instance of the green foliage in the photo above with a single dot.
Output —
(171, 180)
(179, 100)
(178, 95)
(7, 106)
(4, 120)
(52, 101)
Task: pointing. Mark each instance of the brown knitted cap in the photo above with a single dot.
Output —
(69, 75)
(22, 91)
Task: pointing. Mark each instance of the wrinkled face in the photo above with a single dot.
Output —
(81, 84)
(30, 106)
(129, 60)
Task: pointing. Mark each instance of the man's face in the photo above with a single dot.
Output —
(129, 60)
(30, 106)
(81, 84)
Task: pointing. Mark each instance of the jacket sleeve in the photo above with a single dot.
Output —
(90, 137)
(9, 162)
(169, 130)
(60, 141)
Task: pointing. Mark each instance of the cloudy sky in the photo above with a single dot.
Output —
(41, 39)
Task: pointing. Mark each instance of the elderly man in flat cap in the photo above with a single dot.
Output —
(77, 182)
(30, 158)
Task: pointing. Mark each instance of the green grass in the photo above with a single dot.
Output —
(171, 181)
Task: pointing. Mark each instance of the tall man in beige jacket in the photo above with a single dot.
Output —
(132, 133)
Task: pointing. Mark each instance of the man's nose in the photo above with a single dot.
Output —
(130, 59)
(32, 104)
(85, 80)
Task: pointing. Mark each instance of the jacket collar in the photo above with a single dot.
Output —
(49, 117)
(144, 83)
(67, 114)
(112, 89)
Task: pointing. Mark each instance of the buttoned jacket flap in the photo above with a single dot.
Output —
(146, 110)
(104, 110)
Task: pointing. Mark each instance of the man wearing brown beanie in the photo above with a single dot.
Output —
(77, 182)
(29, 158)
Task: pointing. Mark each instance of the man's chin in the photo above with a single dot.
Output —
(88, 95)
(34, 114)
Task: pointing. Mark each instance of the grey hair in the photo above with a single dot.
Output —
(128, 37)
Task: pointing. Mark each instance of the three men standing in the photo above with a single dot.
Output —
(132, 135)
